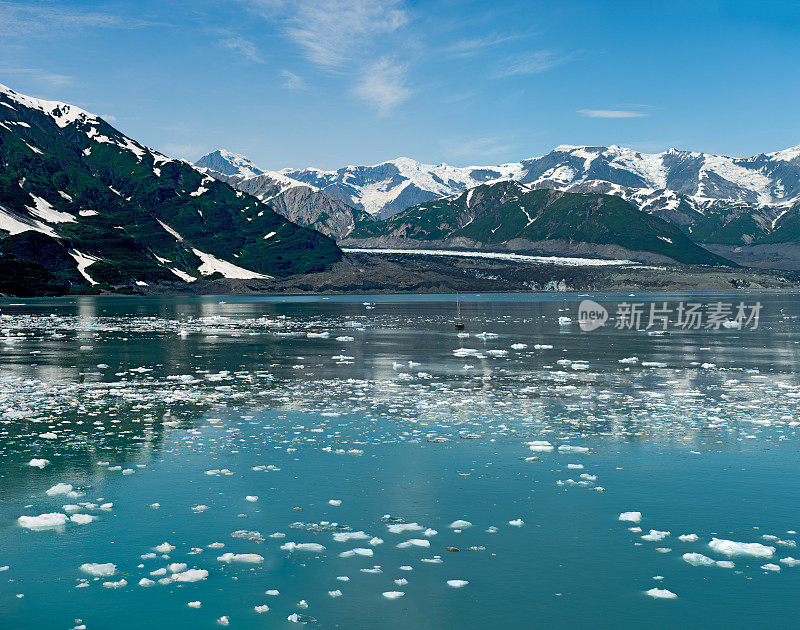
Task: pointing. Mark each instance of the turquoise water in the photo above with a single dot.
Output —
(703, 440)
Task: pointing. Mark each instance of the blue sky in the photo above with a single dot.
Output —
(294, 83)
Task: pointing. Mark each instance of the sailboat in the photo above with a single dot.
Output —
(459, 323)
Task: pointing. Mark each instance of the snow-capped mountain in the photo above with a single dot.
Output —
(767, 179)
(82, 204)
(299, 202)
(508, 215)
(390, 187)
(229, 163)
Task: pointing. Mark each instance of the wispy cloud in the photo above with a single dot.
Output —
(27, 18)
(485, 148)
(293, 81)
(182, 151)
(478, 45)
(243, 47)
(42, 76)
(611, 113)
(332, 33)
(383, 85)
(532, 63)
(340, 37)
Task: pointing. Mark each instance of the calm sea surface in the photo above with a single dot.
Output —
(352, 462)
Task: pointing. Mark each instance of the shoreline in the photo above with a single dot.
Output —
(420, 274)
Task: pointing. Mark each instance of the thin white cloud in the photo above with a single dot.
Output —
(244, 47)
(478, 45)
(611, 113)
(344, 38)
(293, 81)
(333, 33)
(40, 75)
(383, 85)
(485, 148)
(183, 151)
(27, 18)
(532, 63)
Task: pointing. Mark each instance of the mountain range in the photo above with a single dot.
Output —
(299, 202)
(740, 207)
(84, 207)
(512, 216)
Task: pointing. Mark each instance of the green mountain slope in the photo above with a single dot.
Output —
(108, 211)
(494, 214)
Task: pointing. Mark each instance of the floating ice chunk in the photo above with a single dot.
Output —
(399, 528)
(628, 360)
(731, 548)
(82, 519)
(197, 509)
(146, 582)
(457, 583)
(224, 621)
(663, 549)
(725, 564)
(571, 448)
(401, 582)
(661, 593)
(291, 546)
(540, 446)
(261, 609)
(251, 498)
(564, 321)
(518, 522)
(654, 535)
(689, 537)
(343, 578)
(96, 569)
(429, 532)
(192, 575)
(414, 542)
(216, 545)
(335, 502)
(250, 558)
(49, 435)
(59, 488)
(790, 562)
(406, 568)
(434, 560)
(272, 592)
(519, 346)
(460, 524)
(345, 536)
(632, 517)
(194, 604)
(120, 584)
(356, 552)
(393, 594)
(698, 560)
(575, 466)
(336, 593)
(159, 572)
(164, 547)
(38, 463)
(52, 520)
(770, 567)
